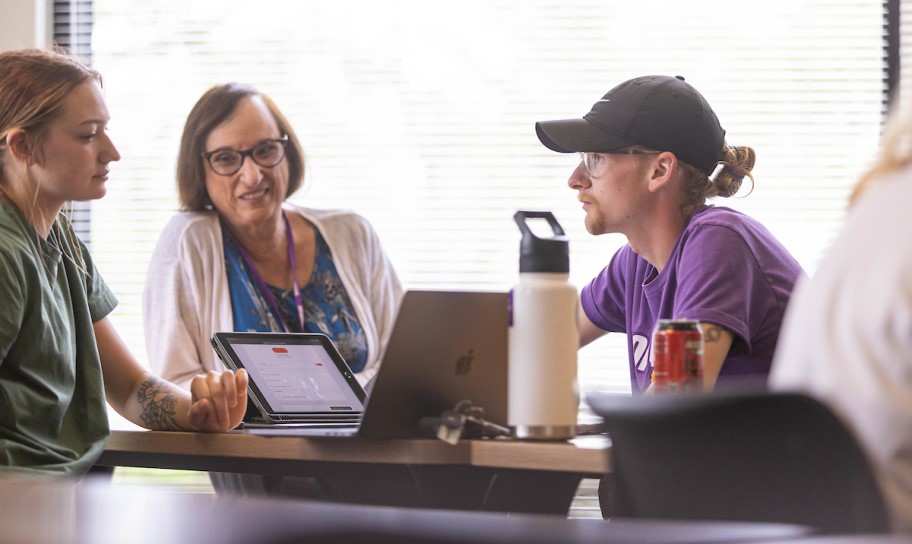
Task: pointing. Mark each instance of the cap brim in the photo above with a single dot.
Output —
(572, 135)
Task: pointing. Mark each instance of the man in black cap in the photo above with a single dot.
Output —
(652, 151)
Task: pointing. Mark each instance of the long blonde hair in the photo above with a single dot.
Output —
(33, 87)
(895, 151)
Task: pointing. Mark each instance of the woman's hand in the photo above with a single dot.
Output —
(218, 400)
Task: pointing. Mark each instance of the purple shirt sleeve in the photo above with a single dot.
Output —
(725, 269)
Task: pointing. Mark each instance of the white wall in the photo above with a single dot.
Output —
(24, 23)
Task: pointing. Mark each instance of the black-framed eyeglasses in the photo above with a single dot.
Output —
(227, 162)
(596, 165)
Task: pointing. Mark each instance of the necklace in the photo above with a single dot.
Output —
(261, 283)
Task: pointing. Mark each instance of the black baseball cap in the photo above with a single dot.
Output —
(659, 112)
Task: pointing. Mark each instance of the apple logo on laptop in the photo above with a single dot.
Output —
(464, 363)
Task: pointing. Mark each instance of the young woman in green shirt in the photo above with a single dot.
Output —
(60, 357)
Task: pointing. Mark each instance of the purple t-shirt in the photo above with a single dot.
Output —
(725, 268)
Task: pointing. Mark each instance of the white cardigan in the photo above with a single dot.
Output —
(186, 297)
(847, 335)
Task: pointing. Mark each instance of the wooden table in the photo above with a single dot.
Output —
(491, 474)
(65, 512)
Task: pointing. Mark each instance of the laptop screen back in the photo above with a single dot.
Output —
(446, 347)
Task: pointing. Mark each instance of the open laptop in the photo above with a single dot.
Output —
(445, 347)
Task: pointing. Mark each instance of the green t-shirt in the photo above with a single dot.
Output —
(53, 417)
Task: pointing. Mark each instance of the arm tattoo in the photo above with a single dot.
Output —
(158, 406)
(712, 333)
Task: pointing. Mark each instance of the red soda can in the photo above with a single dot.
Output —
(677, 347)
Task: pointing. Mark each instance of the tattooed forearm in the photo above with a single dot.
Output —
(712, 333)
(158, 406)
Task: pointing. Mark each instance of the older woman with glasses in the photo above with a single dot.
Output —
(238, 257)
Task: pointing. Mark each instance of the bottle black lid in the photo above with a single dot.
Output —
(542, 254)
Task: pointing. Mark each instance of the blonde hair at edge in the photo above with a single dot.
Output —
(33, 87)
(895, 152)
(735, 163)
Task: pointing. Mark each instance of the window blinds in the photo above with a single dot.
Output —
(72, 30)
(420, 115)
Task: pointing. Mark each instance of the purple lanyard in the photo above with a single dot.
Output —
(261, 284)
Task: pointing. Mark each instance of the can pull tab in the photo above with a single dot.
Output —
(542, 254)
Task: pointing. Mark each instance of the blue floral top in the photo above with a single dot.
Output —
(327, 308)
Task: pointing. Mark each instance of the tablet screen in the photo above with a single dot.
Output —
(294, 373)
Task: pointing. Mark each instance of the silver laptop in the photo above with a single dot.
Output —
(446, 347)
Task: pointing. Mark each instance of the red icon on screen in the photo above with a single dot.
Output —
(280, 350)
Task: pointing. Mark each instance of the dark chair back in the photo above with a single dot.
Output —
(738, 456)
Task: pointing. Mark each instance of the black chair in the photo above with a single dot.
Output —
(737, 457)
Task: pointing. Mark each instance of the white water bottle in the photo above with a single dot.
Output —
(544, 337)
